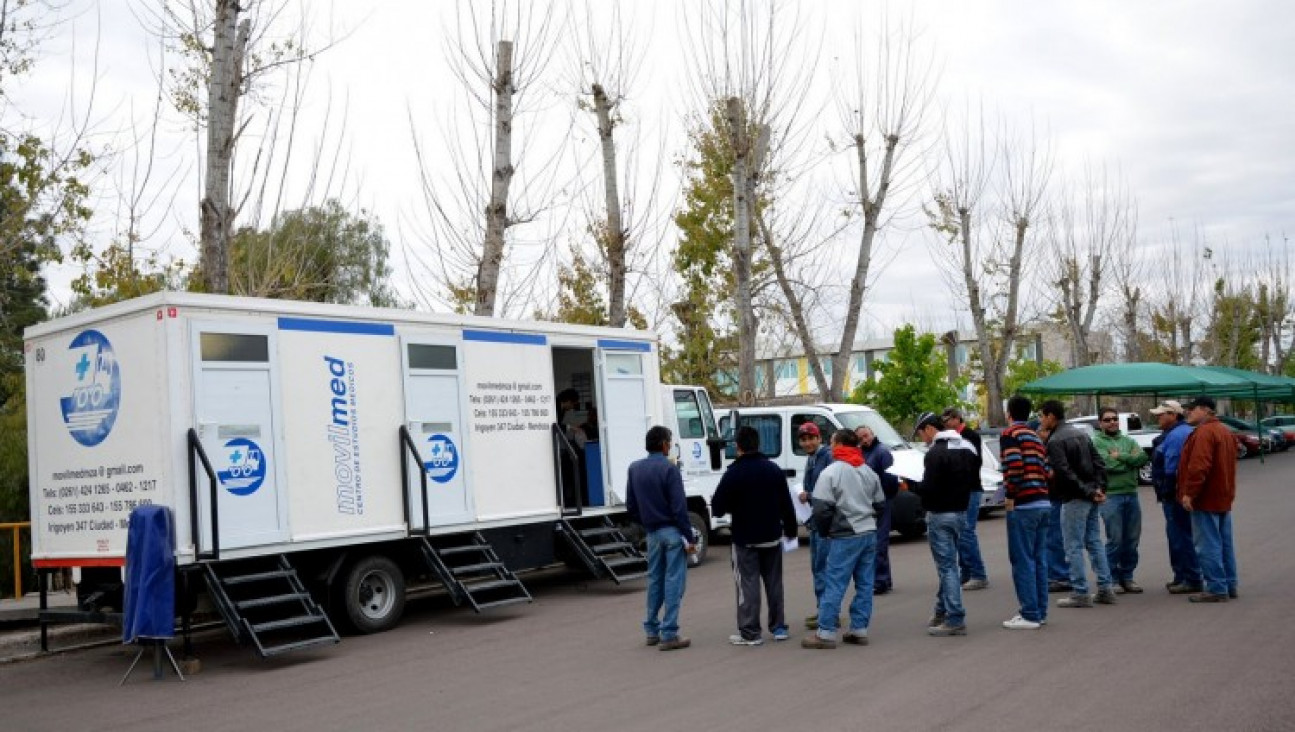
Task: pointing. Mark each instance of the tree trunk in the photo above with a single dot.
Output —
(872, 208)
(1132, 344)
(492, 251)
(223, 88)
(615, 244)
(795, 306)
(742, 250)
(993, 386)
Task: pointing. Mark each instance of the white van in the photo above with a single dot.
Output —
(778, 428)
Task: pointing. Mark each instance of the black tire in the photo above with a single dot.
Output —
(907, 517)
(372, 595)
(702, 531)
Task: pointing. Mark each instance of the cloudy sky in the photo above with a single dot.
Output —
(1193, 103)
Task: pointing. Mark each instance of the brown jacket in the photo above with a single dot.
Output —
(1207, 469)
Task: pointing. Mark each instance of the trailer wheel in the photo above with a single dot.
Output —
(373, 595)
(702, 532)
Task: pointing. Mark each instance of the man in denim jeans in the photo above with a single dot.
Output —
(949, 469)
(1122, 511)
(655, 499)
(971, 567)
(1079, 482)
(1207, 486)
(1025, 476)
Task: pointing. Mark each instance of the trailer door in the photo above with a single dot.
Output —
(433, 414)
(235, 399)
(625, 416)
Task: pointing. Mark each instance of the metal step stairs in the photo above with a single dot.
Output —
(471, 571)
(265, 605)
(603, 548)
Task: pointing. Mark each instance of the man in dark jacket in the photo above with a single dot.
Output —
(949, 468)
(755, 491)
(1079, 483)
(655, 499)
(1166, 449)
(1207, 486)
(971, 566)
(878, 457)
(818, 457)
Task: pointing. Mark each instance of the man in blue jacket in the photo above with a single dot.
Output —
(754, 490)
(656, 500)
(1166, 449)
(878, 457)
(818, 457)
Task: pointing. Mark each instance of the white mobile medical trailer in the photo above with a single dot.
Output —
(340, 454)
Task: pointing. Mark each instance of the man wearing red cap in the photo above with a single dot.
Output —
(819, 456)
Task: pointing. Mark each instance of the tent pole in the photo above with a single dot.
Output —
(1259, 432)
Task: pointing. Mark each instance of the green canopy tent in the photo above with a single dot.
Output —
(1166, 380)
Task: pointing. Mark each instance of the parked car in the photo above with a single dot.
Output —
(1269, 439)
(1283, 422)
(1248, 443)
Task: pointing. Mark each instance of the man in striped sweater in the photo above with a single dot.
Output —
(1025, 475)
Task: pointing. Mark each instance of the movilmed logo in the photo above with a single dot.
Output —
(246, 471)
(91, 409)
(444, 462)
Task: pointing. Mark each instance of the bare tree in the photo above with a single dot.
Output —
(1090, 229)
(993, 244)
(497, 56)
(882, 108)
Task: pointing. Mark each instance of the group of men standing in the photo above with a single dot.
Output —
(1060, 486)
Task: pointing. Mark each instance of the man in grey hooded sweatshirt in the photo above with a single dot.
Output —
(845, 501)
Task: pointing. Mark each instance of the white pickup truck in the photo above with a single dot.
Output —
(1131, 425)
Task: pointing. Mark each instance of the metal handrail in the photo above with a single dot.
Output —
(196, 449)
(408, 444)
(562, 442)
(17, 526)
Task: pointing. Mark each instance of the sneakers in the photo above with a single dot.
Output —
(1075, 601)
(1016, 622)
(1104, 596)
(936, 619)
(738, 640)
(675, 644)
(975, 584)
(813, 642)
(1131, 587)
(1207, 597)
(651, 640)
(855, 639)
(1058, 586)
(944, 629)
(1182, 588)
(781, 634)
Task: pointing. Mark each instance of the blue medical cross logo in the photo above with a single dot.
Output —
(236, 457)
(82, 367)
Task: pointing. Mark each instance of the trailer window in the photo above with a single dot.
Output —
(238, 347)
(441, 358)
(624, 364)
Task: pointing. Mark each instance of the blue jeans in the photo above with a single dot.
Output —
(1081, 532)
(970, 564)
(1027, 548)
(942, 532)
(1122, 515)
(667, 572)
(1182, 552)
(1212, 534)
(1058, 568)
(818, 548)
(848, 558)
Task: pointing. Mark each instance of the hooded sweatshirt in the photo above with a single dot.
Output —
(844, 496)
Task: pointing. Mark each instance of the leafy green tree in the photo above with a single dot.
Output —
(1024, 370)
(321, 253)
(913, 379)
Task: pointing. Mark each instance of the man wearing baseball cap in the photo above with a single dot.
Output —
(1166, 449)
(818, 457)
(1207, 486)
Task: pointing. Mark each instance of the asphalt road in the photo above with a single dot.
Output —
(574, 660)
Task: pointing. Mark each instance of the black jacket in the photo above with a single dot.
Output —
(1078, 472)
(951, 470)
(755, 491)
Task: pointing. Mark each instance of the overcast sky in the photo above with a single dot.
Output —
(1193, 102)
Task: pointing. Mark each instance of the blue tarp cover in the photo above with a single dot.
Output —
(150, 575)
